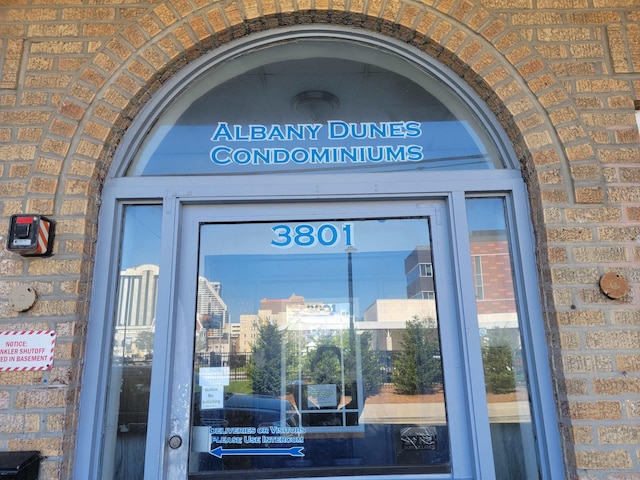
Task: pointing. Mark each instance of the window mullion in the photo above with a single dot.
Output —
(469, 336)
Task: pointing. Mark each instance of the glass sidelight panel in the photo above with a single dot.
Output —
(132, 345)
(508, 397)
(317, 351)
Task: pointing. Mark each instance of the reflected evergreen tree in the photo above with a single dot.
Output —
(418, 367)
(323, 365)
(497, 357)
(265, 366)
(372, 374)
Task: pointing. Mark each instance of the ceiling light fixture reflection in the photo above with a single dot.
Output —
(317, 104)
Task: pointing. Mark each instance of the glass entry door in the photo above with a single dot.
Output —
(312, 341)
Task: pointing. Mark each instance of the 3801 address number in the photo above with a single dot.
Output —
(307, 235)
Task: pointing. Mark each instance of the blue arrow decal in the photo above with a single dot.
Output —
(293, 451)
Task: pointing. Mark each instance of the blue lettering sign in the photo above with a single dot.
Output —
(368, 142)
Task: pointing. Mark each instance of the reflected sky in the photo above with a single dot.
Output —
(250, 268)
(144, 221)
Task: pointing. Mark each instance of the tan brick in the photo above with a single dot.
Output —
(550, 177)
(16, 153)
(21, 378)
(47, 446)
(593, 215)
(626, 317)
(184, 37)
(74, 207)
(49, 166)
(82, 168)
(169, 47)
(538, 140)
(600, 254)
(562, 4)
(89, 149)
(579, 152)
(12, 208)
(134, 36)
(74, 186)
(571, 133)
(12, 189)
(611, 120)
(595, 410)
(602, 460)
(553, 215)
(4, 400)
(545, 157)
(570, 341)
(34, 99)
(576, 386)
(43, 185)
(50, 266)
(581, 317)
(587, 363)
(618, 155)
(573, 275)
(56, 47)
(617, 386)
(557, 255)
(569, 234)
(41, 397)
(633, 408)
(620, 339)
(624, 194)
(564, 34)
(593, 17)
(41, 205)
(55, 422)
(582, 435)
(553, 196)
(19, 170)
(59, 147)
(99, 30)
(587, 50)
(629, 135)
(628, 362)
(72, 226)
(585, 172)
(19, 423)
(553, 98)
(119, 49)
(602, 85)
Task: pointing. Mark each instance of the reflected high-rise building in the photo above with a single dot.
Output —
(212, 317)
(136, 311)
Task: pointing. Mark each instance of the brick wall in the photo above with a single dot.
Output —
(560, 75)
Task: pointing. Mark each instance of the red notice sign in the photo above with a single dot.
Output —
(27, 350)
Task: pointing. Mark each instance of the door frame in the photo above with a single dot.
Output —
(192, 216)
(181, 192)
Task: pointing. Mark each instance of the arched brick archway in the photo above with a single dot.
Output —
(532, 107)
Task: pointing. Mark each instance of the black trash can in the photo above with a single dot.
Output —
(19, 465)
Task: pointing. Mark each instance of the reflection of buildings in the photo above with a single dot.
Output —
(212, 317)
(492, 277)
(386, 319)
(270, 310)
(137, 295)
(419, 272)
(493, 280)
